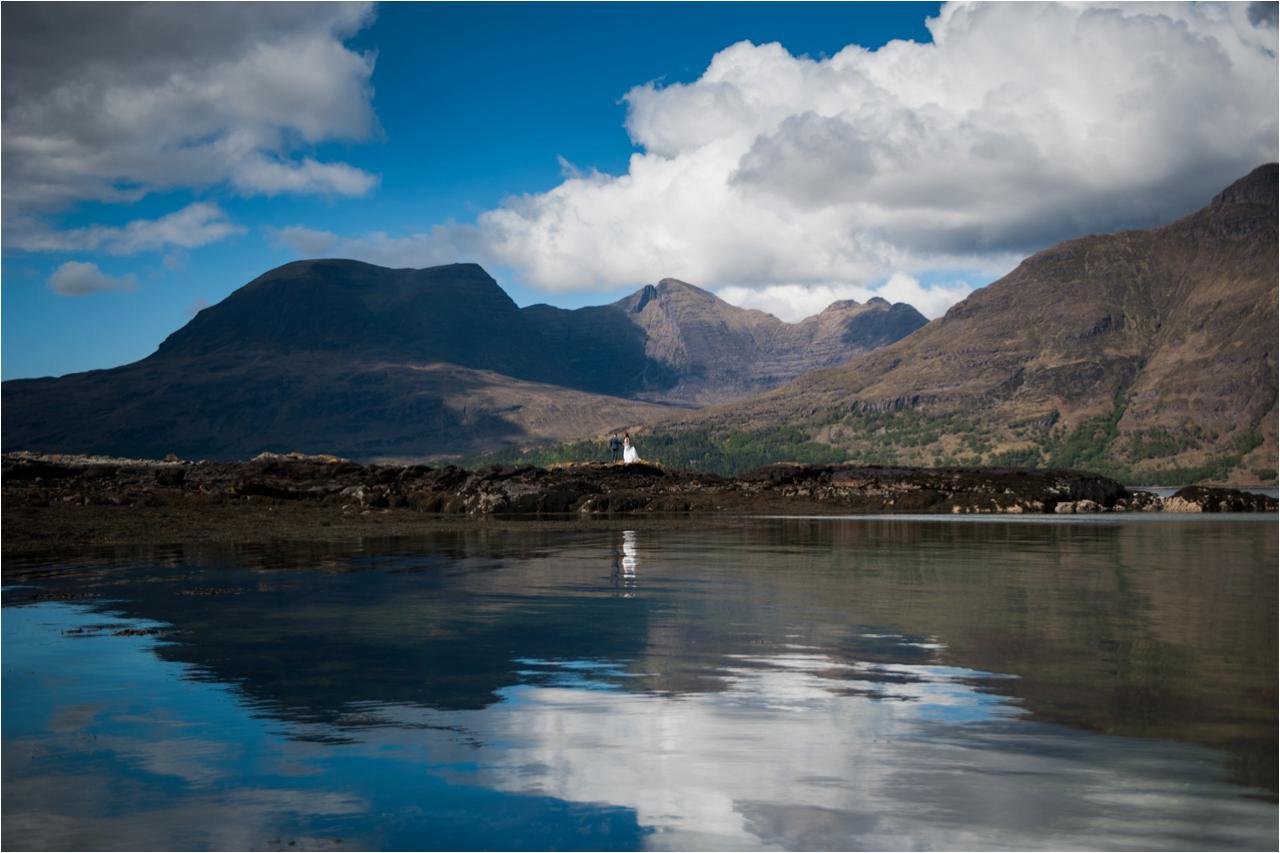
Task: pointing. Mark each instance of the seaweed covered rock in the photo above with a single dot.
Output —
(585, 489)
(1208, 499)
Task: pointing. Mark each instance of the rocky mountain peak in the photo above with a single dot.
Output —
(675, 289)
(668, 293)
(1257, 187)
(677, 284)
(842, 305)
(647, 294)
(875, 304)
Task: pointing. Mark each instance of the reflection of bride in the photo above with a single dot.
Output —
(629, 553)
(624, 564)
(629, 453)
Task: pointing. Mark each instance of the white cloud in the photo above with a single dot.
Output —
(931, 301)
(109, 103)
(793, 302)
(443, 244)
(855, 758)
(80, 279)
(305, 241)
(1019, 126)
(272, 177)
(195, 225)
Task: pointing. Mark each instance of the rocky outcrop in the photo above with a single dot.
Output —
(1201, 499)
(581, 490)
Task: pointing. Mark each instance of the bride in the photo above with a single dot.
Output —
(629, 454)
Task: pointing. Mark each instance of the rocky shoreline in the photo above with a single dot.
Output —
(59, 500)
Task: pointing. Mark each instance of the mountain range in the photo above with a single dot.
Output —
(673, 342)
(345, 357)
(1149, 354)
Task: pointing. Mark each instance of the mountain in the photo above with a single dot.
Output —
(675, 342)
(1147, 354)
(455, 313)
(344, 357)
(326, 356)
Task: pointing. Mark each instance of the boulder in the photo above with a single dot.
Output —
(1210, 499)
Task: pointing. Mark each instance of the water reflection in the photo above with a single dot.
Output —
(794, 684)
(788, 755)
(623, 573)
(629, 553)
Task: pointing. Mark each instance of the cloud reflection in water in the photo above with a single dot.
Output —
(801, 752)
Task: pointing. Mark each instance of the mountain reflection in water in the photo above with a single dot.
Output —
(833, 684)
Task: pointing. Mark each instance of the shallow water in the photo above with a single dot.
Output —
(1169, 491)
(760, 683)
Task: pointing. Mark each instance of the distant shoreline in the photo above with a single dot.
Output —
(54, 502)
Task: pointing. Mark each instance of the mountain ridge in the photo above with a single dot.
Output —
(341, 356)
(1143, 352)
(698, 349)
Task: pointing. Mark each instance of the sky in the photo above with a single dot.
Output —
(158, 156)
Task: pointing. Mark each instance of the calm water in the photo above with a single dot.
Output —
(766, 683)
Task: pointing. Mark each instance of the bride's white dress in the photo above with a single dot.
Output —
(629, 454)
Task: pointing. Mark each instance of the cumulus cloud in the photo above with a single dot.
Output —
(443, 244)
(1018, 126)
(195, 225)
(272, 177)
(309, 242)
(109, 102)
(80, 279)
(793, 302)
(1263, 13)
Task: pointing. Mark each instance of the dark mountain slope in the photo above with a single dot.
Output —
(326, 356)
(602, 348)
(455, 313)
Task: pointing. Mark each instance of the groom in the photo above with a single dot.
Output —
(614, 447)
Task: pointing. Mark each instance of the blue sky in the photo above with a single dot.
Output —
(782, 155)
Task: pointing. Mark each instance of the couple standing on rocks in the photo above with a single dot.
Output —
(628, 449)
